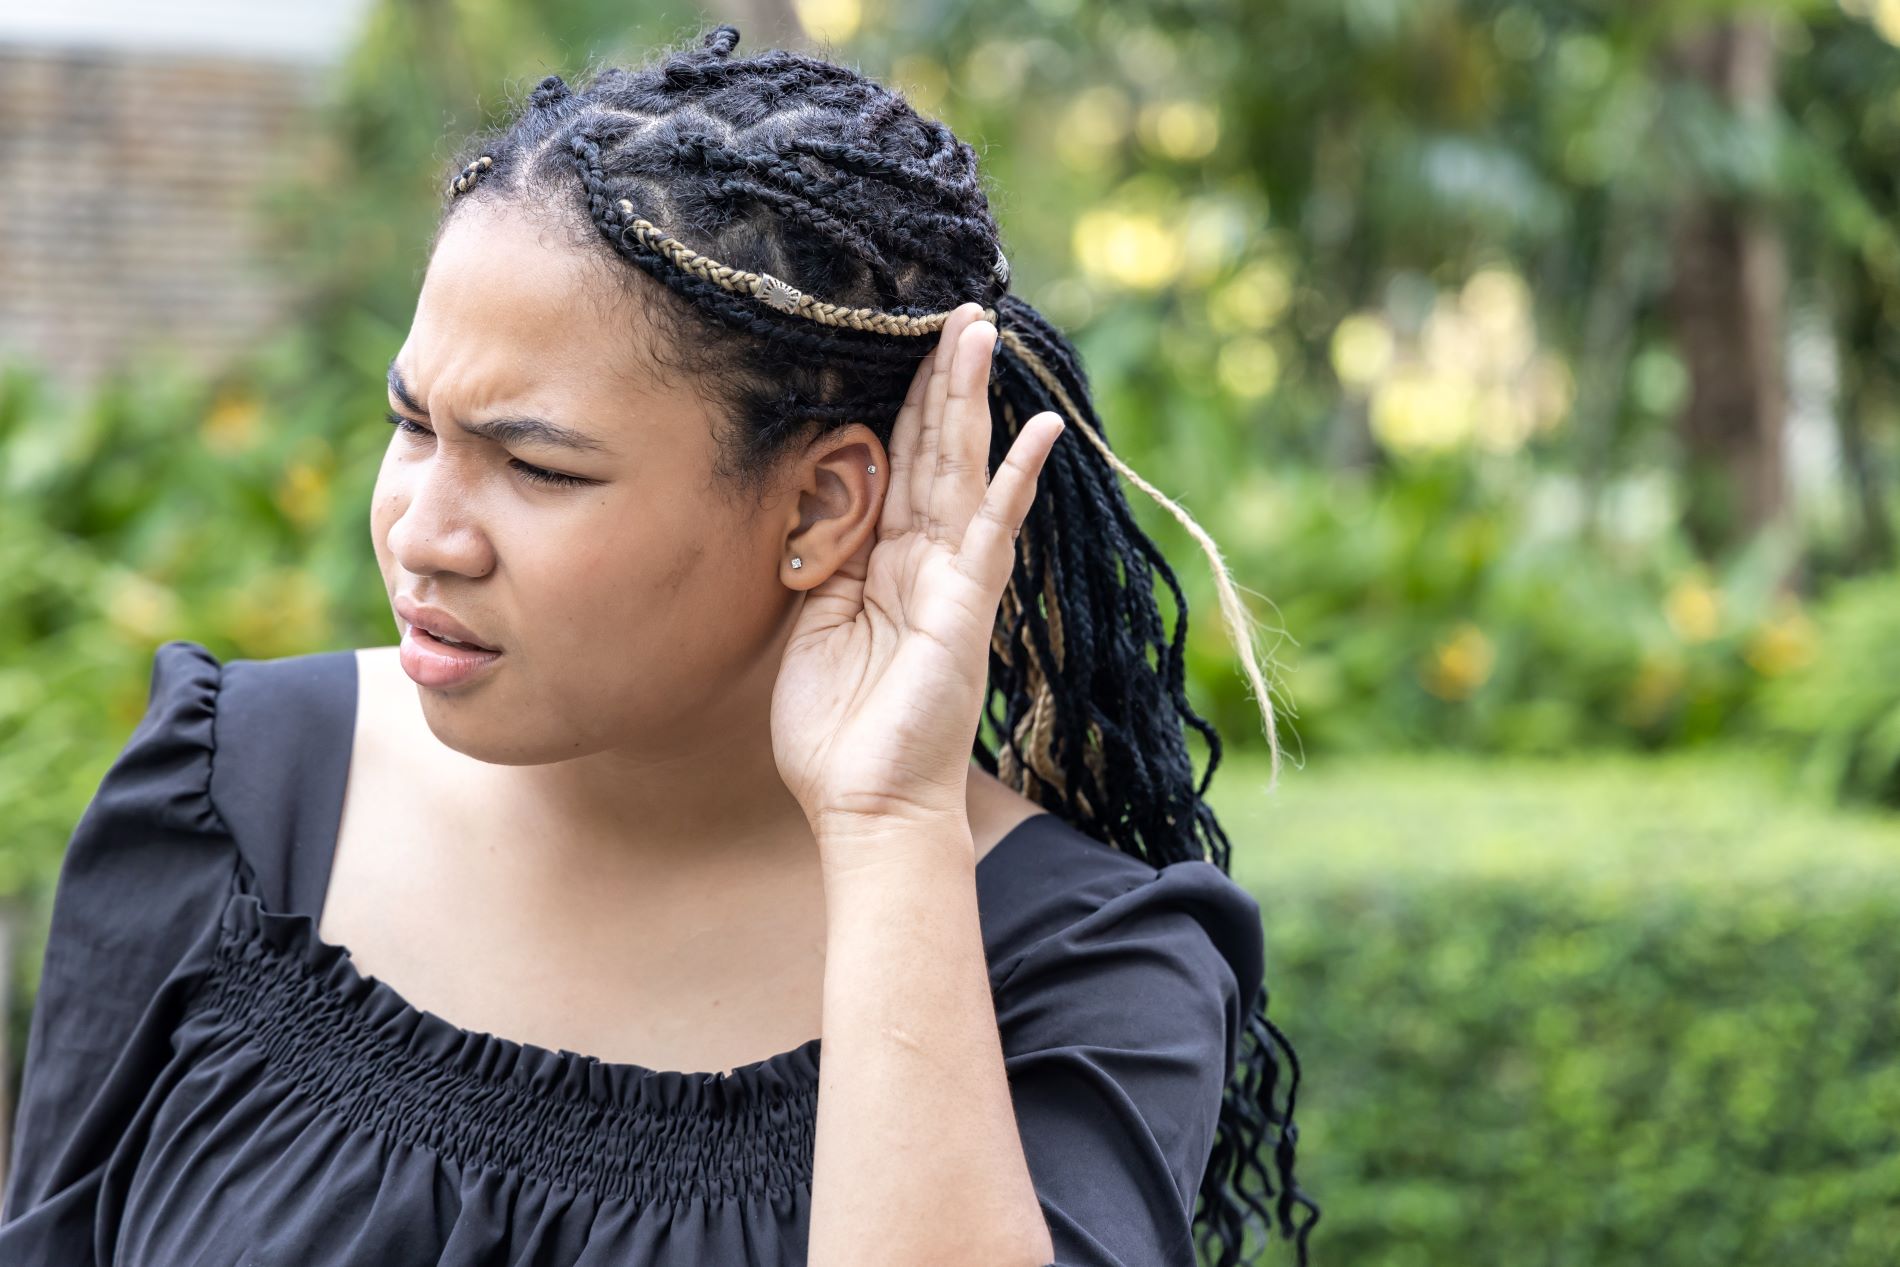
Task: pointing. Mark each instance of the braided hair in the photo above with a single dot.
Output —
(832, 230)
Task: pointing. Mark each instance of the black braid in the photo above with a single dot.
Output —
(795, 166)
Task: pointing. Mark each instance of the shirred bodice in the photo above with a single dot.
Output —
(209, 1082)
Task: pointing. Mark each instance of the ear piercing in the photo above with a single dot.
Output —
(798, 562)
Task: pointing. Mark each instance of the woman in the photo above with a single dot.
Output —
(690, 534)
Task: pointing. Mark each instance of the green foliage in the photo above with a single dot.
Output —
(1842, 709)
(1444, 608)
(1604, 1010)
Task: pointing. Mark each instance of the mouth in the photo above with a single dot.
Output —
(433, 661)
(454, 645)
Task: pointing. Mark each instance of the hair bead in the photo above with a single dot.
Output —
(471, 174)
(781, 295)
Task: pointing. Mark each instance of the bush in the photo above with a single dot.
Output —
(1841, 711)
(1451, 606)
(1589, 1013)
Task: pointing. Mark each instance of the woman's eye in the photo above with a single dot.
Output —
(402, 424)
(540, 476)
(534, 473)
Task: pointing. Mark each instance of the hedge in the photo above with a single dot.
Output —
(1583, 1013)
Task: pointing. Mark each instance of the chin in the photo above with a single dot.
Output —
(481, 729)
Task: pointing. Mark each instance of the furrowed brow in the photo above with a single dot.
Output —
(506, 430)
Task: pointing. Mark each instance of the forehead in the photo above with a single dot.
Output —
(510, 308)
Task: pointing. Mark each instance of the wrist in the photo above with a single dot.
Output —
(882, 843)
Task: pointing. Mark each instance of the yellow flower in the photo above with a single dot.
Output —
(1693, 608)
(1459, 664)
(278, 613)
(232, 424)
(304, 493)
(1785, 642)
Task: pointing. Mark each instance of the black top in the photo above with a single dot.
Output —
(208, 1082)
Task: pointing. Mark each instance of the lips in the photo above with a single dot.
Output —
(456, 643)
(441, 665)
(441, 625)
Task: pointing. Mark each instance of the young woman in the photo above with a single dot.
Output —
(708, 555)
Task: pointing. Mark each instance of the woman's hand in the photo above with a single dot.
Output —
(881, 688)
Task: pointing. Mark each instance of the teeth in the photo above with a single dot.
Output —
(453, 642)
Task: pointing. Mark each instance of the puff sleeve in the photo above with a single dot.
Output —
(139, 889)
(1120, 1030)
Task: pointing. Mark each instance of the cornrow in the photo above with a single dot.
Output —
(833, 231)
(782, 295)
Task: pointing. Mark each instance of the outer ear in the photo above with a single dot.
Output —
(833, 519)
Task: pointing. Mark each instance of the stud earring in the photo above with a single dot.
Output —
(872, 468)
(797, 562)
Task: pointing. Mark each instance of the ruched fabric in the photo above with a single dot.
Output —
(209, 1082)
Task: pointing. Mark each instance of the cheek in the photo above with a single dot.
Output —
(385, 508)
(658, 587)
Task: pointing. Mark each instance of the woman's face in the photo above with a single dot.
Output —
(641, 601)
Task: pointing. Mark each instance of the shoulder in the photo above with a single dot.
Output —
(1059, 899)
(150, 865)
(161, 778)
(244, 758)
(285, 733)
(1122, 997)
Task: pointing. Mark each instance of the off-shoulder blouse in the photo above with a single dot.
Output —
(209, 1082)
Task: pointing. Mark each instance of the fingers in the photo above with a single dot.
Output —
(901, 455)
(923, 471)
(963, 450)
(988, 552)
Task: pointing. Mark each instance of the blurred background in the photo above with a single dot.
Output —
(1536, 366)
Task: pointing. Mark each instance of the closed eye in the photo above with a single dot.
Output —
(534, 473)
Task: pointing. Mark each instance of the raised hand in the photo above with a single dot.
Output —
(880, 691)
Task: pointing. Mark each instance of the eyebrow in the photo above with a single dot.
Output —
(506, 430)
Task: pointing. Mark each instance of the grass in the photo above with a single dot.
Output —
(1706, 818)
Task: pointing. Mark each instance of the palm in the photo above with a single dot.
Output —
(881, 687)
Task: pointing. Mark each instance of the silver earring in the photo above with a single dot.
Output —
(797, 562)
(872, 468)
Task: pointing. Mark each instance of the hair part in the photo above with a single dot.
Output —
(701, 174)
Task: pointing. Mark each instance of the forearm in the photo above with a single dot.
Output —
(918, 1158)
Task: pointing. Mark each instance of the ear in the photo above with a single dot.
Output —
(837, 501)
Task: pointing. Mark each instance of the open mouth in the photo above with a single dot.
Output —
(450, 644)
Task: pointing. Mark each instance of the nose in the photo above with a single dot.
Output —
(437, 528)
